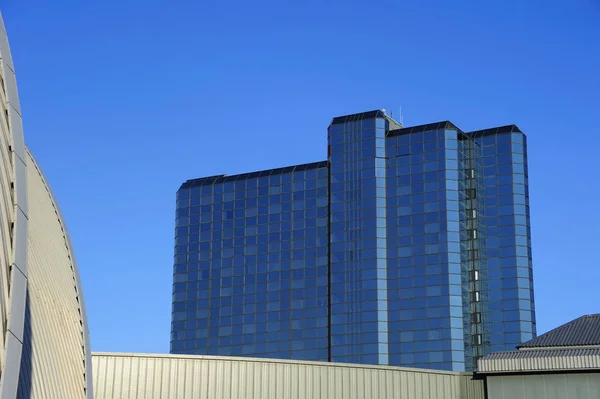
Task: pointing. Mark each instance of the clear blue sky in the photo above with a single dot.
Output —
(124, 100)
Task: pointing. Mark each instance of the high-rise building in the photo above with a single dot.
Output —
(407, 246)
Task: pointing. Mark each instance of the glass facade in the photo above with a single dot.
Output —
(507, 236)
(251, 271)
(425, 278)
(359, 314)
(408, 246)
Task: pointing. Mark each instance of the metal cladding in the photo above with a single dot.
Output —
(13, 225)
(540, 360)
(45, 344)
(125, 375)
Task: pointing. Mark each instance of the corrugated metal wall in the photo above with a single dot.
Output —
(513, 363)
(548, 386)
(54, 358)
(175, 376)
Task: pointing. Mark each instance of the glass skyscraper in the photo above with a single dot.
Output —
(407, 246)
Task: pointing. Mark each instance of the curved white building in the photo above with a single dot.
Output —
(45, 343)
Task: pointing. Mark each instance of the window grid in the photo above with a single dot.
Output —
(251, 268)
(409, 249)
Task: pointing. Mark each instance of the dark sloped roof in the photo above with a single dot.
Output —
(579, 332)
(423, 128)
(278, 171)
(357, 117)
(494, 130)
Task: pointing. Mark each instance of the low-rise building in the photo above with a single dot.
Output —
(151, 376)
(562, 363)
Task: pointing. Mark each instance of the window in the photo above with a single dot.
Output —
(474, 254)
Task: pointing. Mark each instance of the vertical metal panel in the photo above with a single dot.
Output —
(160, 376)
(18, 288)
(10, 84)
(13, 225)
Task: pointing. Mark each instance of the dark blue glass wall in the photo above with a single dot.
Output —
(408, 246)
(251, 271)
(424, 265)
(508, 236)
(359, 313)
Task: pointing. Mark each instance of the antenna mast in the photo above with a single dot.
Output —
(401, 116)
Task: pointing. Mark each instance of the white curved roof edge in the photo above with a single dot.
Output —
(78, 285)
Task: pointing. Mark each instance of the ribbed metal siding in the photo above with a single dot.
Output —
(54, 354)
(173, 376)
(537, 363)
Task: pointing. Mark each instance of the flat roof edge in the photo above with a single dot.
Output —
(269, 360)
(203, 181)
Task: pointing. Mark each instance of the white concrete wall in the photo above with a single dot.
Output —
(546, 386)
(124, 376)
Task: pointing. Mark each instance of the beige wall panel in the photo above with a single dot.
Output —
(126, 376)
(547, 386)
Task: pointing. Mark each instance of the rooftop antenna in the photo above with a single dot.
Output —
(401, 116)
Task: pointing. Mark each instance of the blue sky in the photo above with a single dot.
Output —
(124, 100)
